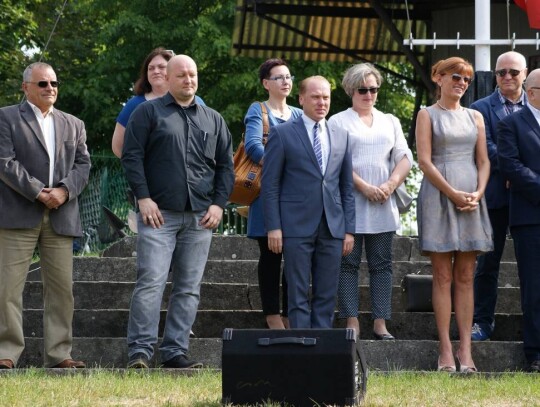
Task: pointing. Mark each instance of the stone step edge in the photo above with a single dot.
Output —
(382, 356)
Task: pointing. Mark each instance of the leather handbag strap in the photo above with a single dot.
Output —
(266, 124)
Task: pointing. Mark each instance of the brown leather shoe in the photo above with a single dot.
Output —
(70, 364)
(6, 364)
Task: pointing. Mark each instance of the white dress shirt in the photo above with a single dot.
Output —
(46, 123)
(535, 112)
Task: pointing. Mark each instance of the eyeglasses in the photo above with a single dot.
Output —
(282, 78)
(363, 91)
(457, 77)
(502, 72)
(44, 84)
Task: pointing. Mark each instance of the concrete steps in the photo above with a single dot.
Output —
(492, 356)
(218, 296)
(230, 298)
(210, 324)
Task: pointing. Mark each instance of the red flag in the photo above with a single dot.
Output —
(532, 7)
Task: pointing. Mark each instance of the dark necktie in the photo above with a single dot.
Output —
(317, 145)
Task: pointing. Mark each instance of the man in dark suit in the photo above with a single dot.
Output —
(519, 152)
(308, 205)
(508, 97)
(45, 166)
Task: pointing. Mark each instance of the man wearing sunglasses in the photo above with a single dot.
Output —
(508, 97)
(45, 166)
(519, 149)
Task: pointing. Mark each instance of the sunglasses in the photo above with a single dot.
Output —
(457, 77)
(363, 91)
(44, 84)
(502, 72)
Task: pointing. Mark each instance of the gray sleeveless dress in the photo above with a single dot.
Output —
(441, 227)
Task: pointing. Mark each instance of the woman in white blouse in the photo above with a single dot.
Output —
(381, 161)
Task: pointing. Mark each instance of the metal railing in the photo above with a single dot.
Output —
(235, 224)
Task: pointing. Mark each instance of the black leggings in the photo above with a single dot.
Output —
(269, 271)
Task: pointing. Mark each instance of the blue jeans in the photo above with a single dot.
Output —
(155, 255)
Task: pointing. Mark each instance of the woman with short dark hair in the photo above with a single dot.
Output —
(276, 78)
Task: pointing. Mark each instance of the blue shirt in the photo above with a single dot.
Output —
(255, 151)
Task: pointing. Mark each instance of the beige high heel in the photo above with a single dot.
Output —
(445, 368)
(464, 368)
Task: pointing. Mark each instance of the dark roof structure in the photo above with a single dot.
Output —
(330, 30)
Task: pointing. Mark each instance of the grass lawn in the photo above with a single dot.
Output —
(35, 388)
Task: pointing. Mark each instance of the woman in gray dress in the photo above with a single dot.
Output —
(453, 222)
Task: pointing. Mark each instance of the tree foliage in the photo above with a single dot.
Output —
(98, 46)
(18, 30)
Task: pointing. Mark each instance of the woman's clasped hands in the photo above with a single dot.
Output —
(378, 193)
(466, 201)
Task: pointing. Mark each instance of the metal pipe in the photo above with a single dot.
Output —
(513, 42)
(482, 12)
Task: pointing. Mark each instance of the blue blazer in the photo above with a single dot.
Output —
(519, 162)
(496, 194)
(295, 192)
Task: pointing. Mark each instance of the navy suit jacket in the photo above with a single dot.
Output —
(496, 194)
(519, 162)
(295, 192)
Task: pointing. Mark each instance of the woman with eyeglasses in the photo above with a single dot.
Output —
(152, 83)
(453, 222)
(381, 161)
(276, 79)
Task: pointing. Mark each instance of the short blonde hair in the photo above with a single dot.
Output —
(357, 74)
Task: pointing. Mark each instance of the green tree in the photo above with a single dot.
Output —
(18, 30)
(98, 46)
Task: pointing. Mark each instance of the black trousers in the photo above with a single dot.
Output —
(527, 246)
(271, 278)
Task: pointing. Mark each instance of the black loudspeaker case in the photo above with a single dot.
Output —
(299, 367)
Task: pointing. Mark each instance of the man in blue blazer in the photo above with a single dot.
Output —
(519, 152)
(509, 97)
(308, 205)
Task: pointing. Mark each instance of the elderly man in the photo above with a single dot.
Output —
(509, 97)
(309, 205)
(177, 157)
(45, 166)
(519, 149)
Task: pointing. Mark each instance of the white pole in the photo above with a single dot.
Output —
(482, 17)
